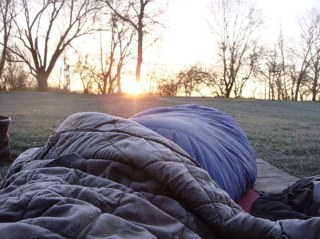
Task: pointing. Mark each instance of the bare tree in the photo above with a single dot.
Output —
(274, 70)
(194, 79)
(248, 70)
(315, 78)
(120, 52)
(167, 86)
(135, 13)
(307, 53)
(237, 26)
(106, 69)
(7, 14)
(46, 28)
(15, 76)
(315, 60)
(83, 68)
(283, 80)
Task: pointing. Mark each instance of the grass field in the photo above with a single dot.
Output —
(286, 134)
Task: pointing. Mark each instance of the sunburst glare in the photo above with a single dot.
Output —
(133, 87)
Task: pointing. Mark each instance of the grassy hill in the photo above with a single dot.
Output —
(286, 134)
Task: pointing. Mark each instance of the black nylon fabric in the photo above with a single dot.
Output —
(299, 201)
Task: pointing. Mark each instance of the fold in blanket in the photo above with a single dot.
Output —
(101, 176)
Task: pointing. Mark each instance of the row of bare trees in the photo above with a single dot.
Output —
(292, 71)
(37, 33)
(105, 71)
(288, 70)
(6, 21)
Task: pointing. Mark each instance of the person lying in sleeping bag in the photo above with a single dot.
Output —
(210, 136)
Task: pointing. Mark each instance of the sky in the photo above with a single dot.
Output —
(187, 39)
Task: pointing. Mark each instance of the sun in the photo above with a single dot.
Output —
(133, 87)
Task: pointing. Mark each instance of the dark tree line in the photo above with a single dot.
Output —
(288, 70)
(41, 31)
(291, 71)
(35, 36)
(7, 15)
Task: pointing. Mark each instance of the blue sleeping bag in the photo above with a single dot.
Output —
(210, 136)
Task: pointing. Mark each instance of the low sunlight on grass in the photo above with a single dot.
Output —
(132, 87)
(286, 134)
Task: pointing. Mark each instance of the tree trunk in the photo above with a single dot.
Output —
(314, 88)
(300, 78)
(119, 91)
(42, 80)
(228, 87)
(139, 57)
(3, 59)
(118, 77)
(227, 93)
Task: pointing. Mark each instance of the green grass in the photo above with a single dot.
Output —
(286, 134)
